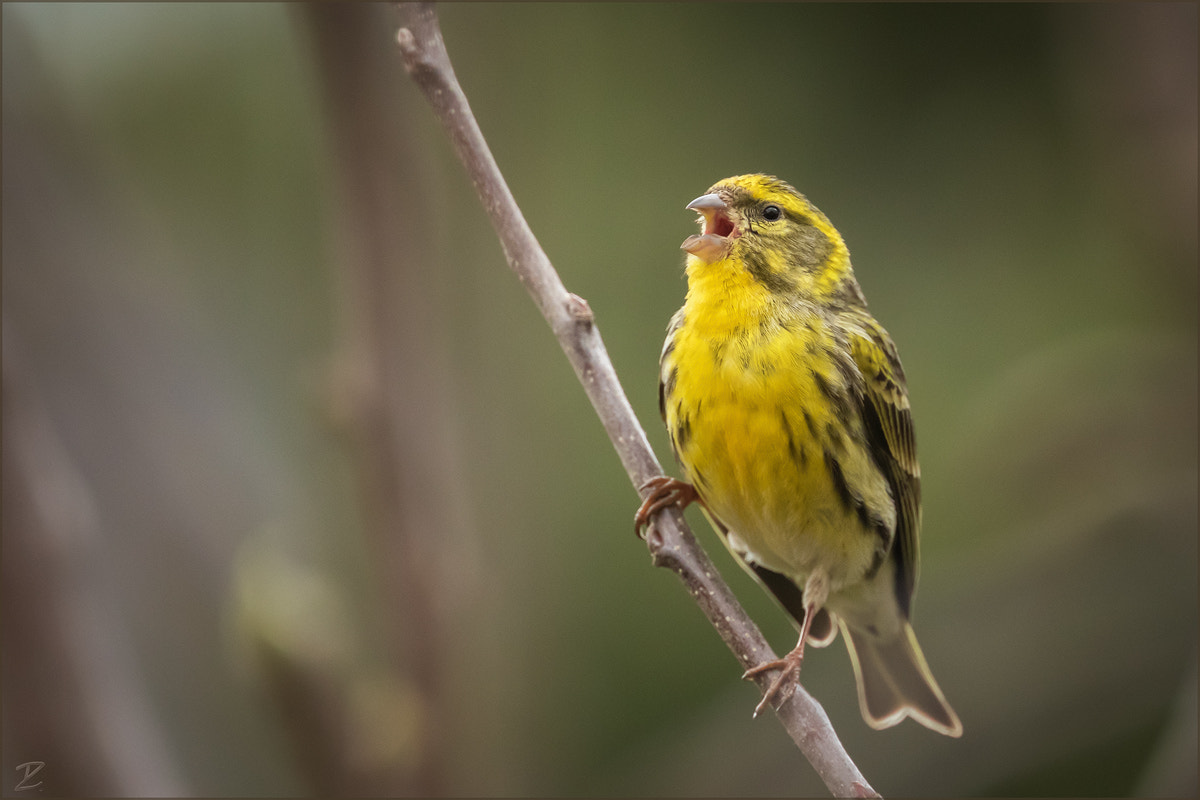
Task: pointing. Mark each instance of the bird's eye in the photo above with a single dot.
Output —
(771, 213)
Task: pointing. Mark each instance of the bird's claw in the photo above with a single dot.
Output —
(789, 667)
(664, 491)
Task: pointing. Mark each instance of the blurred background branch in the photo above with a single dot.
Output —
(82, 710)
(388, 390)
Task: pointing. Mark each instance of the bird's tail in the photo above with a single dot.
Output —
(894, 682)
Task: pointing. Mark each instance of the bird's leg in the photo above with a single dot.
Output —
(816, 590)
(666, 492)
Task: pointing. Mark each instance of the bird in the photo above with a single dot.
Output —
(787, 410)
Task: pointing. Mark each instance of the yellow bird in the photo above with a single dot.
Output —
(788, 412)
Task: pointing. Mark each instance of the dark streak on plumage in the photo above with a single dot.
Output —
(759, 266)
(795, 449)
(822, 384)
(853, 502)
(808, 421)
(836, 396)
(664, 391)
(839, 481)
(791, 440)
(672, 379)
(833, 435)
(683, 432)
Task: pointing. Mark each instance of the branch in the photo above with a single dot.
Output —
(390, 392)
(671, 543)
(75, 702)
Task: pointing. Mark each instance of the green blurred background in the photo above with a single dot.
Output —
(300, 495)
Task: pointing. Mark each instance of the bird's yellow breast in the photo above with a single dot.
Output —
(747, 400)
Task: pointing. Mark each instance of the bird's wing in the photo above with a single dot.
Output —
(890, 436)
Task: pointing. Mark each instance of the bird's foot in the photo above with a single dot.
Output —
(664, 492)
(789, 675)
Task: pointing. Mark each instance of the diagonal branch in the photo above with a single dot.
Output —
(671, 543)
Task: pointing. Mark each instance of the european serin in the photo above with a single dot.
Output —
(788, 412)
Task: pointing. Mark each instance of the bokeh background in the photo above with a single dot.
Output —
(300, 495)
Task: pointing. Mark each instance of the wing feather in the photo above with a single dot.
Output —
(890, 436)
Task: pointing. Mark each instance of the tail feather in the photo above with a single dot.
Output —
(894, 682)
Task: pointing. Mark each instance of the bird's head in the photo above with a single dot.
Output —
(762, 224)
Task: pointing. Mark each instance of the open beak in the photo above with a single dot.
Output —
(719, 231)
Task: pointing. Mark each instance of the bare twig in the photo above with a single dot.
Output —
(670, 541)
